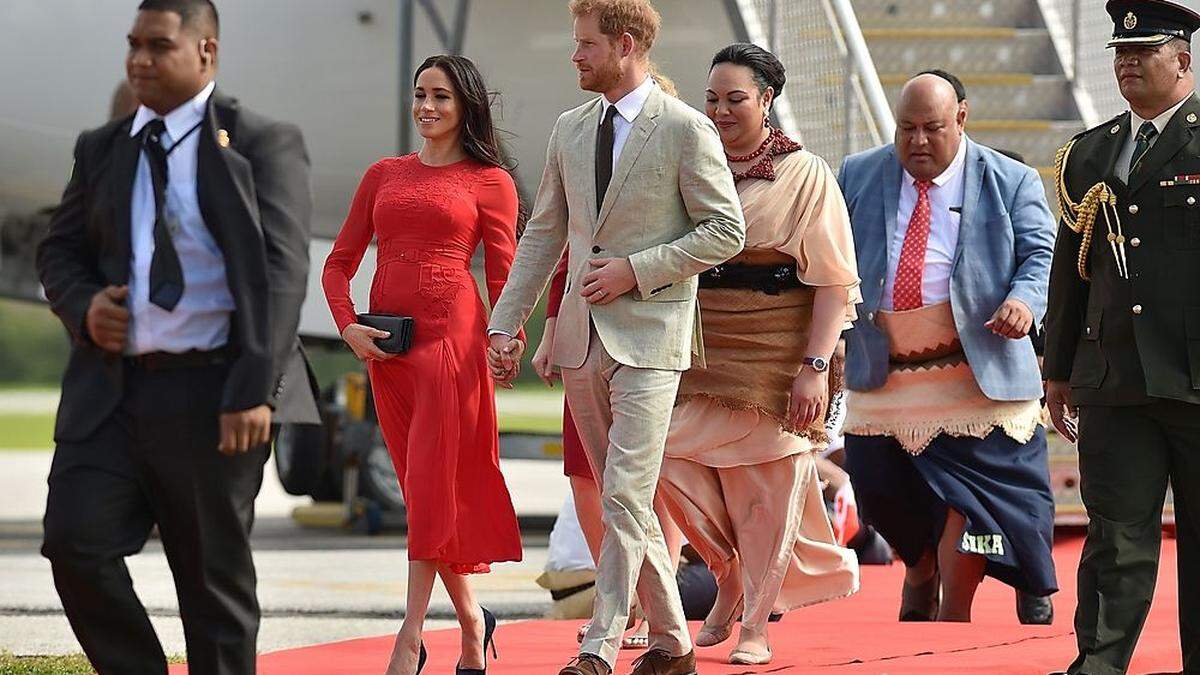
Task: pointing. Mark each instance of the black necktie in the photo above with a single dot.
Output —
(166, 275)
(1145, 136)
(604, 155)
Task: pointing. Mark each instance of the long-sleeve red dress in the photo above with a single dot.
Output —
(436, 403)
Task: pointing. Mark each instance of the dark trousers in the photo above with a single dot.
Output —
(155, 462)
(1126, 457)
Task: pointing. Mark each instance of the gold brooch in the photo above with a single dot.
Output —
(1130, 21)
(222, 138)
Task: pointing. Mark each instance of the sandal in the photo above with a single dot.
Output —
(582, 632)
(710, 635)
(640, 639)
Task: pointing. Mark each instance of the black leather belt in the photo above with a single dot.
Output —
(769, 279)
(168, 361)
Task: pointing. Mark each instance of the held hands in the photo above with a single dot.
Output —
(1062, 413)
(609, 279)
(107, 319)
(810, 395)
(245, 429)
(1013, 320)
(361, 340)
(504, 358)
(541, 357)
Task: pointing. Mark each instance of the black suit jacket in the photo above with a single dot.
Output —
(1124, 341)
(252, 181)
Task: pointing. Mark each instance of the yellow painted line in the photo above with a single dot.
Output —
(977, 79)
(323, 514)
(980, 32)
(1010, 125)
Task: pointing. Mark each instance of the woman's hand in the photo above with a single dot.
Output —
(361, 340)
(541, 357)
(810, 396)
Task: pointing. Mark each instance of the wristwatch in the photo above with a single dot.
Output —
(817, 363)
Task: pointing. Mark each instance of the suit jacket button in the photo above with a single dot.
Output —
(1133, 208)
(1135, 242)
(596, 249)
(1137, 309)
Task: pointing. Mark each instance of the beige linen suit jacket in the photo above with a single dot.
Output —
(671, 209)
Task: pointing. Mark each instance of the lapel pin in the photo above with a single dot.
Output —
(1115, 130)
(222, 138)
(1191, 118)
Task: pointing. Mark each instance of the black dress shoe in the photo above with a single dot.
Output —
(1035, 610)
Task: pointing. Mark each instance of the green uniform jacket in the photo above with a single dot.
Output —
(1122, 341)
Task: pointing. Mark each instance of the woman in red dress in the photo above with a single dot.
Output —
(429, 211)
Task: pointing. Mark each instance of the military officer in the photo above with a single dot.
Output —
(1122, 359)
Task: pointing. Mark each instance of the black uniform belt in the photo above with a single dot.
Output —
(190, 359)
(769, 279)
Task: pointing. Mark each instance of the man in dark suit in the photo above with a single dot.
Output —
(1123, 334)
(178, 263)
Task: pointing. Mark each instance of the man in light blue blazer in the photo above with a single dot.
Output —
(944, 443)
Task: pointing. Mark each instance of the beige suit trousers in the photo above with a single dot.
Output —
(622, 414)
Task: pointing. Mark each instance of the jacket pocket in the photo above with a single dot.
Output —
(1191, 326)
(1090, 366)
(680, 291)
(1181, 215)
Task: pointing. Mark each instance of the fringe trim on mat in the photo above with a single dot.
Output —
(817, 437)
(916, 438)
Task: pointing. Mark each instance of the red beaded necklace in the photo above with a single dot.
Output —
(776, 143)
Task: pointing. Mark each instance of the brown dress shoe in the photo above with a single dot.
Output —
(660, 662)
(586, 664)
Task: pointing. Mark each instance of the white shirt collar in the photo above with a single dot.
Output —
(631, 104)
(1159, 122)
(951, 172)
(180, 120)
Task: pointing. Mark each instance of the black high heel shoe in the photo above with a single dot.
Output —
(422, 658)
(489, 630)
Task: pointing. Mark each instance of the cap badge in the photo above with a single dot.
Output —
(1130, 21)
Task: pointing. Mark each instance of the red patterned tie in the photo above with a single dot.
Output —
(906, 294)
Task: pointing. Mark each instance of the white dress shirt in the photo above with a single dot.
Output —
(1135, 123)
(201, 319)
(628, 108)
(945, 194)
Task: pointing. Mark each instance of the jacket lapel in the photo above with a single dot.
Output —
(643, 126)
(220, 170)
(125, 157)
(1176, 135)
(891, 201)
(973, 171)
(1103, 161)
(589, 128)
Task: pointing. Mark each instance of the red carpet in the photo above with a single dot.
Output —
(856, 635)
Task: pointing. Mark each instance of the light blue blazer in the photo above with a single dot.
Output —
(1005, 243)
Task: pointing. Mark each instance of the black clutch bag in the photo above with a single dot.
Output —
(400, 327)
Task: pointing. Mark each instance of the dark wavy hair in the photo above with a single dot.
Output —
(480, 138)
(767, 68)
